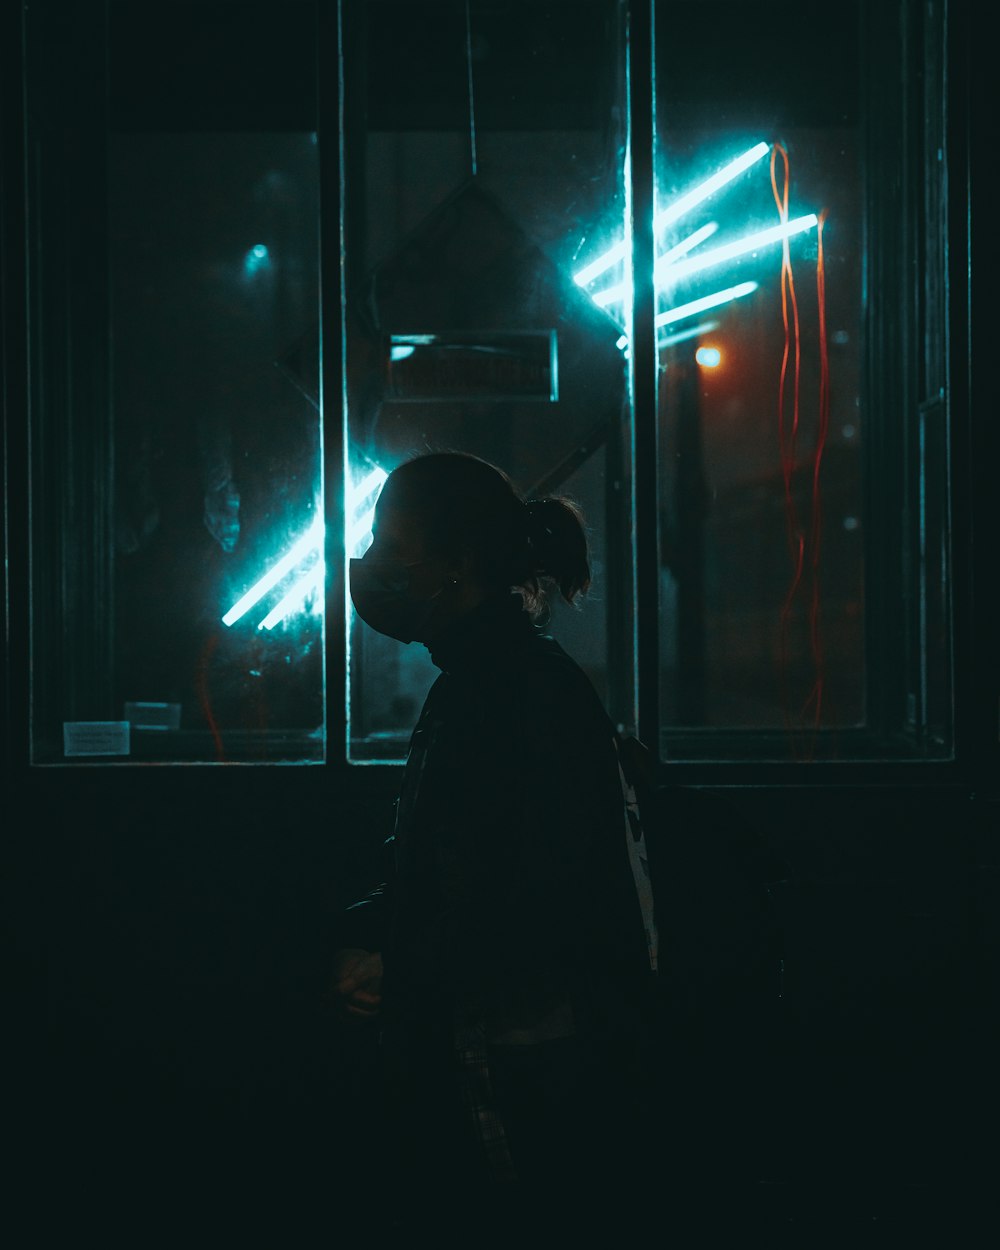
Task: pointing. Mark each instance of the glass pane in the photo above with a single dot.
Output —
(760, 242)
(485, 155)
(177, 564)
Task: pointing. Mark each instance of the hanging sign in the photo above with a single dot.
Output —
(493, 365)
(96, 737)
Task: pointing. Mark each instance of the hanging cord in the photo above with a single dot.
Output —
(797, 540)
(786, 439)
(816, 520)
(472, 101)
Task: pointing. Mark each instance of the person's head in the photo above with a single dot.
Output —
(450, 531)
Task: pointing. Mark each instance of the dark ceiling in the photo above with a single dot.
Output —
(537, 64)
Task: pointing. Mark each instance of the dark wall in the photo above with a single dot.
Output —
(826, 1046)
(827, 1051)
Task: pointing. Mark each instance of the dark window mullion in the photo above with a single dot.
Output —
(330, 122)
(645, 453)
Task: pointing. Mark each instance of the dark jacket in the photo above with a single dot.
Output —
(508, 888)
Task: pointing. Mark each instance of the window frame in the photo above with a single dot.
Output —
(919, 113)
(936, 340)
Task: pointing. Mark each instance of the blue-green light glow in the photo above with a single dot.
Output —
(357, 539)
(740, 247)
(256, 259)
(705, 302)
(360, 511)
(704, 189)
(308, 584)
(668, 340)
(360, 492)
(604, 261)
(610, 295)
(676, 210)
(669, 267)
(613, 294)
(686, 245)
(310, 541)
(709, 357)
(704, 327)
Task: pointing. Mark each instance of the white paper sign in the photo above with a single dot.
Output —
(96, 737)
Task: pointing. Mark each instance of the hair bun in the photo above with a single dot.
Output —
(559, 543)
(539, 521)
(466, 507)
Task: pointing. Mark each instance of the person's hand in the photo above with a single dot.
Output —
(357, 983)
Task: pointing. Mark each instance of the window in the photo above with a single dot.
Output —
(177, 492)
(802, 415)
(689, 269)
(798, 599)
(485, 162)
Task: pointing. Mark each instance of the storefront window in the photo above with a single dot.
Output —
(485, 163)
(791, 412)
(461, 179)
(177, 512)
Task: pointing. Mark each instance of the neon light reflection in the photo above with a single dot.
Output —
(749, 243)
(676, 210)
(704, 303)
(361, 510)
(612, 294)
(682, 336)
(309, 542)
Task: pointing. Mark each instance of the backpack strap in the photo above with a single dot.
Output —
(634, 758)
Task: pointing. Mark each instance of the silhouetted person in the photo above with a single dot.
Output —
(506, 958)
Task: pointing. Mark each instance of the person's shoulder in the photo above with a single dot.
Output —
(560, 688)
(530, 683)
(549, 657)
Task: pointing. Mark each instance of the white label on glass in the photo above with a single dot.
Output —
(146, 715)
(96, 737)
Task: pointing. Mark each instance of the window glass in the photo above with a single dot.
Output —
(804, 567)
(484, 169)
(802, 582)
(177, 594)
(760, 245)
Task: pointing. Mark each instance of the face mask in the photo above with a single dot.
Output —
(381, 596)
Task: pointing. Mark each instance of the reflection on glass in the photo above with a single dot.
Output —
(176, 577)
(761, 602)
(219, 530)
(485, 168)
